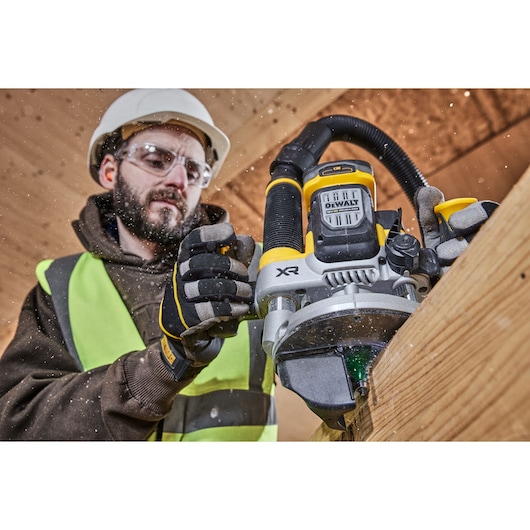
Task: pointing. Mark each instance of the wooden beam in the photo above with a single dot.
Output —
(284, 116)
(459, 368)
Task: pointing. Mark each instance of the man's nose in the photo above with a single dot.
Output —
(177, 177)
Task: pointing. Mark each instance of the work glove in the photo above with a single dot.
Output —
(449, 238)
(207, 297)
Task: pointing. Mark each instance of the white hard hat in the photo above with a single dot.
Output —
(143, 107)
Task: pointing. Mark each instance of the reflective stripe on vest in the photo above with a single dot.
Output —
(231, 399)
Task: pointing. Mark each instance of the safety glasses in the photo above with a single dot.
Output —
(159, 161)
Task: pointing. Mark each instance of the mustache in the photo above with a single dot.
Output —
(174, 196)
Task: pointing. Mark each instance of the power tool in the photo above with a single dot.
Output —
(333, 300)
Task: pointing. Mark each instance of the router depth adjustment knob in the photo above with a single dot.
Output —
(403, 253)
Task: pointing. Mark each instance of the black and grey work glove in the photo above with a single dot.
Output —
(449, 238)
(208, 295)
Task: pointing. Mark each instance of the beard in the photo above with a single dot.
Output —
(165, 231)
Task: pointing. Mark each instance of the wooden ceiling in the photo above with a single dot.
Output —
(467, 142)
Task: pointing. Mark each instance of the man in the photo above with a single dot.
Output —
(96, 355)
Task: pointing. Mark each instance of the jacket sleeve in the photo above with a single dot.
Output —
(44, 395)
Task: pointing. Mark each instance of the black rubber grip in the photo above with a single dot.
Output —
(283, 217)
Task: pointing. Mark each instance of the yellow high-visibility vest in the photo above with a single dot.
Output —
(231, 399)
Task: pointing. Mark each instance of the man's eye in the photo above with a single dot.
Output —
(157, 161)
(193, 169)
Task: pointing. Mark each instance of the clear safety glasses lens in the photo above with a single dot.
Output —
(159, 161)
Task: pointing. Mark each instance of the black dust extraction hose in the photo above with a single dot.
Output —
(283, 207)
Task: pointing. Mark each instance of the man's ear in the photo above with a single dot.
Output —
(108, 171)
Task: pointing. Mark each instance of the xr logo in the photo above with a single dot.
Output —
(288, 271)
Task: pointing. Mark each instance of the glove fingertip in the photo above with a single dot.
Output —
(244, 249)
(428, 195)
(450, 250)
(489, 207)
